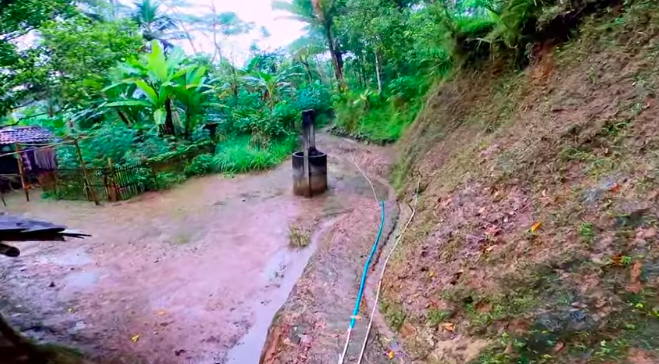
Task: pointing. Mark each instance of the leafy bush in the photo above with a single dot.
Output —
(166, 180)
(200, 134)
(181, 149)
(200, 165)
(513, 20)
(367, 116)
(315, 96)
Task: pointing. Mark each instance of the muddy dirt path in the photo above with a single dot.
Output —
(194, 274)
(311, 327)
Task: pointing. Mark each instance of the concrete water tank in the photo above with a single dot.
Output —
(309, 164)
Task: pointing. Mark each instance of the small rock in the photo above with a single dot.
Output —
(244, 199)
(52, 284)
(407, 331)
(305, 339)
(650, 233)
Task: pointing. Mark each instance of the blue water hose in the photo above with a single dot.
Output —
(366, 266)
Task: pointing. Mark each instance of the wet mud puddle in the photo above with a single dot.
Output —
(283, 271)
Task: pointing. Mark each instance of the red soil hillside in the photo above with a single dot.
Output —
(537, 235)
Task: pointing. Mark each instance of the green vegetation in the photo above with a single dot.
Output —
(539, 187)
(393, 313)
(436, 317)
(298, 236)
(113, 76)
(114, 73)
(539, 184)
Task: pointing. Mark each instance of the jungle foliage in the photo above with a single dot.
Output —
(115, 75)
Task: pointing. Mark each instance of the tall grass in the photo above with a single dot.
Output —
(382, 122)
(387, 123)
(239, 155)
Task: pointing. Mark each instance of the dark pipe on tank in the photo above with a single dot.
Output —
(310, 164)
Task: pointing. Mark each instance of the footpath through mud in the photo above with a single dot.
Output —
(197, 274)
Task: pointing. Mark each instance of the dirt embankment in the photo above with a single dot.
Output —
(537, 232)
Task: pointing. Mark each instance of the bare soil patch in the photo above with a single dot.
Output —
(179, 276)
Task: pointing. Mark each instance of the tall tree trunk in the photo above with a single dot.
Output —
(337, 57)
(123, 117)
(234, 86)
(189, 36)
(377, 73)
(218, 48)
(363, 82)
(168, 128)
(188, 124)
(307, 68)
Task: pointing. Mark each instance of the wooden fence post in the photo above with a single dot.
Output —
(88, 185)
(21, 171)
(154, 176)
(111, 186)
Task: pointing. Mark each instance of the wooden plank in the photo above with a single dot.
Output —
(84, 173)
(21, 170)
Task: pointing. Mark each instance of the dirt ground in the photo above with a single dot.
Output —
(195, 274)
(311, 327)
(536, 185)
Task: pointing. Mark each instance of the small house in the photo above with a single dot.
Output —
(26, 156)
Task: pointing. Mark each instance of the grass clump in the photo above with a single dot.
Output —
(436, 317)
(240, 155)
(587, 231)
(298, 237)
(393, 314)
(167, 180)
(200, 165)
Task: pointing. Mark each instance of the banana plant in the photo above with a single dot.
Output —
(269, 84)
(157, 81)
(192, 90)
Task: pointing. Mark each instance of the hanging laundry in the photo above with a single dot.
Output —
(27, 164)
(45, 159)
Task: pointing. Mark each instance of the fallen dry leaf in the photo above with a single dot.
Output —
(407, 330)
(559, 346)
(535, 227)
(615, 188)
(617, 259)
(492, 230)
(391, 354)
(650, 233)
(634, 285)
(135, 338)
(431, 274)
(162, 313)
(509, 348)
(447, 326)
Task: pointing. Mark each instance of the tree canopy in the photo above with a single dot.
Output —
(98, 65)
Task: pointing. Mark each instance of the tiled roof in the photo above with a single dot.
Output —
(25, 134)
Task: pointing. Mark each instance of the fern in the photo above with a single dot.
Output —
(514, 19)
